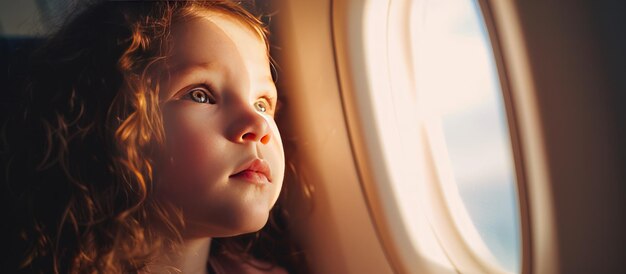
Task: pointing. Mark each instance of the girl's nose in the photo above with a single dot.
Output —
(249, 126)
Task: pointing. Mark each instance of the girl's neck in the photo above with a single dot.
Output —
(195, 255)
(192, 257)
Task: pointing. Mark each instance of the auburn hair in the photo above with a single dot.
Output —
(81, 155)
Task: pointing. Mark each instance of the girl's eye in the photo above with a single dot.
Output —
(201, 95)
(261, 105)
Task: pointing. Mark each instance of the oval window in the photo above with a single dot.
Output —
(458, 90)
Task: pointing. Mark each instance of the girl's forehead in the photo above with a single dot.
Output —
(217, 45)
(212, 33)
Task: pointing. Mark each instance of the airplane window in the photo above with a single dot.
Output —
(460, 98)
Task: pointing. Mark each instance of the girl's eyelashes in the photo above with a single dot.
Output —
(201, 95)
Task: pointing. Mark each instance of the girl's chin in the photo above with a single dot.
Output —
(226, 228)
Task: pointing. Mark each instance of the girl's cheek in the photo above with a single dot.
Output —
(277, 139)
(191, 154)
(276, 145)
(187, 137)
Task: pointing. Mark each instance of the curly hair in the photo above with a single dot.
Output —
(81, 168)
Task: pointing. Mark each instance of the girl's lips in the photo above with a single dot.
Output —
(251, 176)
(256, 171)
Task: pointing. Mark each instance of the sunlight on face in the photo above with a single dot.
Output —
(227, 162)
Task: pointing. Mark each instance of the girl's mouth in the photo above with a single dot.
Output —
(256, 171)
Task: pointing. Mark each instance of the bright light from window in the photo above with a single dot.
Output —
(458, 89)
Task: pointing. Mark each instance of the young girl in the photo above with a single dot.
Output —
(148, 144)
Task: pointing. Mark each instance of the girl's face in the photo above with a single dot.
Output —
(226, 163)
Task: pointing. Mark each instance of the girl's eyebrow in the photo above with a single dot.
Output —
(185, 72)
(269, 86)
(189, 67)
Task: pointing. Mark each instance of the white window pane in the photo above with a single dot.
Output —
(457, 84)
